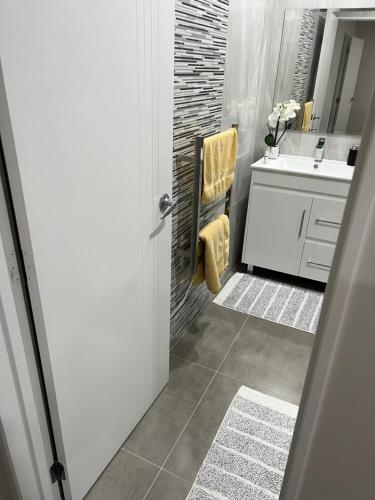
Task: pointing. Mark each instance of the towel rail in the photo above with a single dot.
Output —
(191, 253)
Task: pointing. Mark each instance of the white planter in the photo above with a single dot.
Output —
(274, 152)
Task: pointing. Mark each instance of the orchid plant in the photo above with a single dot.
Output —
(283, 112)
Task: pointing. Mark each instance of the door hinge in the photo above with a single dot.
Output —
(28, 267)
(57, 472)
(14, 274)
(14, 270)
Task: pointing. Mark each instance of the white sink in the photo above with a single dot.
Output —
(304, 165)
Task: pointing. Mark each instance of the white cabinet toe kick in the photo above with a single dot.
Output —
(293, 222)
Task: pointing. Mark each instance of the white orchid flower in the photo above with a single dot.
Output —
(294, 104)
(283, 112)
(273, 118)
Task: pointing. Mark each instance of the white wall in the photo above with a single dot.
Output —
(336, 146)
(247, 97)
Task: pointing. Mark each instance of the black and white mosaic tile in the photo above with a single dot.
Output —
(306, 44)
(200, 47)
(278, 302)
(248, 456)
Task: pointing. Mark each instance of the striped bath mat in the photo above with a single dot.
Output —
(248, 456)
(285, 304)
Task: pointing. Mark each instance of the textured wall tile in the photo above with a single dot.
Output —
(306, 44)
(200, 46)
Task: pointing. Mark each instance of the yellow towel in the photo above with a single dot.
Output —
(307, 114)
(213, 253)
(219, 160)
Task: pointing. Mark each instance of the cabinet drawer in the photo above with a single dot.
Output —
(310, 184)
(325, 219)
(316, 260)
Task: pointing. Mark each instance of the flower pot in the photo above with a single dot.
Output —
(274, 152)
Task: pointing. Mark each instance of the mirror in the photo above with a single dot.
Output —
(327, 65)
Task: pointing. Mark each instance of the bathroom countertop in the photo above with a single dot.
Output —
(303, 165)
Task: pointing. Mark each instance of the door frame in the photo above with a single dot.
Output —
(23, 421)
(339, 83)
(350, 80)
(29, 316)
(342, 359)
(322, 74)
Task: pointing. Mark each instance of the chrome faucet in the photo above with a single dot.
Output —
(319, 149)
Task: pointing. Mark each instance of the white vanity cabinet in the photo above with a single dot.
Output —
(293, 221)
(276, 225)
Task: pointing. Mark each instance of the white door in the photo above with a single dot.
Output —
(276, 228)
(89, 88)
(350, 82)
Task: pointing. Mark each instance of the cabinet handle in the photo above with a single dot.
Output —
(314, 263)
(301, 226)
(325, 221)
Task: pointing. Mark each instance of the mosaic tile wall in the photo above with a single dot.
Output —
(306, 44)
(200, 46)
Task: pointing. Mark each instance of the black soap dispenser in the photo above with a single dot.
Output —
(352, 156)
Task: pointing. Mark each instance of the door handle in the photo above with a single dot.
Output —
(326, 221)
(319, 264)
(302, 221)
(166, 206)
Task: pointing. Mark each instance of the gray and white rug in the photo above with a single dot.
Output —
(248, 456)
(271, 300)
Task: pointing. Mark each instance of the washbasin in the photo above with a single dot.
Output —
(303, 165)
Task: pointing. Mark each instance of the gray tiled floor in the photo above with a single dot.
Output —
(220, 351)
(270, 357)
(125, 477)
(208, 338)
(157, 432)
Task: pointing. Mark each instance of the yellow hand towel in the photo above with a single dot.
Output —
(219, 160)
(213, 253)
(307, 113)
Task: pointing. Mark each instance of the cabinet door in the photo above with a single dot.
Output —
(276, 227)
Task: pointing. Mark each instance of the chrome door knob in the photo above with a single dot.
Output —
(166, 205)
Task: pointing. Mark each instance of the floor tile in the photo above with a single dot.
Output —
(169, 487)
(187, 381)
(196, 439)
(125, 477)
(271, 358)
(207, 339)
(156, 433)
